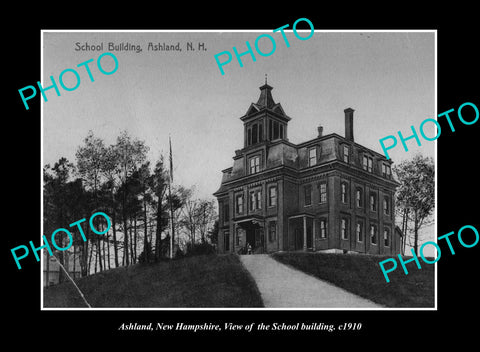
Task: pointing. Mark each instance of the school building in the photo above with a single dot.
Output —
(325, 194)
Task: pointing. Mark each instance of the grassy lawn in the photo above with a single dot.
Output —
(361, 275)
(200, 281)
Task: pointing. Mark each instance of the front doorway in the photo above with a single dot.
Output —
(254, 236)
(256, 239)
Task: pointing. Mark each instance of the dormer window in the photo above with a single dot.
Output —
(254, 164)
(367, 163)
(312, 156)
(346, 153)
(386, 171)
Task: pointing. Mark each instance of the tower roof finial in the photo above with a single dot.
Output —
(265, 78)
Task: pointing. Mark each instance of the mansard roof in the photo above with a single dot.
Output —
(295, 157)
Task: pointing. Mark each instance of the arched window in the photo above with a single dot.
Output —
(359, 231)
(386, 205)
(373, 234)
(323, 228)
(373, 201)
(344, 228)
(344, 192)
(386, 236)
(359, 197)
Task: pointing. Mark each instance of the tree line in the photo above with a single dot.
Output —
(119, 180)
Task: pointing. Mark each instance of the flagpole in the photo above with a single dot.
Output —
(170, 179)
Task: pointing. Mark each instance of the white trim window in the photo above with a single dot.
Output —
(254, 164)
(312, 156)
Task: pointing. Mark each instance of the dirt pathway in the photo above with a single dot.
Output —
(282, 286)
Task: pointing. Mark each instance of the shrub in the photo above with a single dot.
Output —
(199, 249)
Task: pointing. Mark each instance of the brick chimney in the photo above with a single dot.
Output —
(349, 123)
(320, 130)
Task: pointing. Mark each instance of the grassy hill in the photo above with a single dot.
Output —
(200, 281)
(361, 275)
(222, 281)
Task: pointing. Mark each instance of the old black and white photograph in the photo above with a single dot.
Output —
(184, 175)
(257, 182)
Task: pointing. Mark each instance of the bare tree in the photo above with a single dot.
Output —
(415, 196)
(89, 167)
(131, 153)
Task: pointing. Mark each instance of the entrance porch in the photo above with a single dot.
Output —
(250, 232)
(301, 232)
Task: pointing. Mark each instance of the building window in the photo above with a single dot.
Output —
(239, 203)
(359, 231)
(252, 201)
(255, 200)
(275, 129)
(386, 171)
(367, 163)
(272, 231)
(346, 153)
(359, 197)
(254, 134)
(373, 234)
(272, 196)
(344, 190)
(373, 202)
(323, 192)
(386, 236)
(344, 229)
(254, 164)
(312, 156)
(226, 238)
(323, 228)
(308, 194)
(386, 205)
(226, 213)
(238, 238)
(259, 200)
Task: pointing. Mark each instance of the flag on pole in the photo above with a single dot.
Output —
(172, 228)
(171, 159)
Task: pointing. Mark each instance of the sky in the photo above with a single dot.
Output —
(388, 78)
